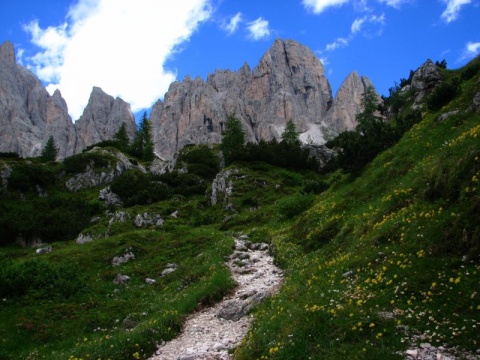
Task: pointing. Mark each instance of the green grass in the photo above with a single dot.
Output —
(371, 261)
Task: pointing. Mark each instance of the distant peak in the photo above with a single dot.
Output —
(7, 52)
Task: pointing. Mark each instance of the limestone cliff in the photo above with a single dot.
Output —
(28, 114)
(289, 83)
(102, 118)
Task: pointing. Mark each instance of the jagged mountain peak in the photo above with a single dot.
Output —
(7, 53)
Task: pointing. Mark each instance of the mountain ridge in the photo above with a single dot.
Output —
(288, 83)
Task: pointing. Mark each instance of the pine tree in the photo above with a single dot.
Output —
(121, 138)
(290, 135)
(49, 152)
(233, 139)
(142, 146)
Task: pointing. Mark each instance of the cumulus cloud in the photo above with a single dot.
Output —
(318, 6)
(471, 50)
(258, 29)
(452, 11)
(118, 45)
(232, 25)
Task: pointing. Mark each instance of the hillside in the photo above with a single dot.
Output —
(378, 262)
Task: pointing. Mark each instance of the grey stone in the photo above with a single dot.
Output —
(43, 250)
(150, 281)
(168, 271)
(121, 279)
(84, 238)
(123, 259)
(110, 198)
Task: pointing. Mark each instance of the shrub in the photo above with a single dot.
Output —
(294, 205)
(443, 94)
(137, 188)
(316, 186)
(25, 176)
(39, 279)
(78, 163)
(470, 71)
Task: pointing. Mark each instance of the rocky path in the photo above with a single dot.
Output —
(212, 332)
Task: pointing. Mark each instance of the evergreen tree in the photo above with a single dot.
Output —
(49, 152)
(369, 122)
(233, 139)
(142, 146)
(121, 138)
(290, 135)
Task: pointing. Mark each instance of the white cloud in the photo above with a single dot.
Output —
(318, 6)
(118, 45)
(232, 25)
(452, 11)
(258, 29)
(340, 42)
(471, 50)
(395, 3)
(373, 19)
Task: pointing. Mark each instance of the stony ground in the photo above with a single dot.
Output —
(212, 332)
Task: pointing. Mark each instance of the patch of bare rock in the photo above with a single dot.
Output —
(212, 332)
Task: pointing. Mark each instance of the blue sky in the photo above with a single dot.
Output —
(135, 48)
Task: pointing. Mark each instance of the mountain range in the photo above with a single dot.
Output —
(288, 83)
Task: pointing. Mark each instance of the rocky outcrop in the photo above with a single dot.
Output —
(102, 118)
(289, 83)
(92, 177)
(28, 114)
(347, 103)
(424, 80)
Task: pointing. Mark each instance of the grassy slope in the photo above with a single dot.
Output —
(389, 255)
(406, 231)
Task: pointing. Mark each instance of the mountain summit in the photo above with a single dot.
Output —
(289, 83)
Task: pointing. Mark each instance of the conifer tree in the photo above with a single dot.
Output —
(121, 138)
(142, 146)
(233, 139)
(49, 152)
(290, 135)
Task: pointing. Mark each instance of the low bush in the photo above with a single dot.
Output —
(79, 162)
(39, 279)
(443, 94)
(294, 205)
(26, 176)
(137, 188)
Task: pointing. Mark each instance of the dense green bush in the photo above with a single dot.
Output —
(53, 218)
(315, 186)
(26, 176)
(39, 279)
(79, 162)
(200, 160)
(137, 188)
(443, 94)
(294, 205)
(184, 183)
(470, 71)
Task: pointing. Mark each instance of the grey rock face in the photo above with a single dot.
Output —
(28, 114)
(347, 103)
(102, 118)
(289, 83)
(425, 79)
(92, 178)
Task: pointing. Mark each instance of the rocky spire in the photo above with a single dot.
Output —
(102, 118)
(7, 53)
(347, 103)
